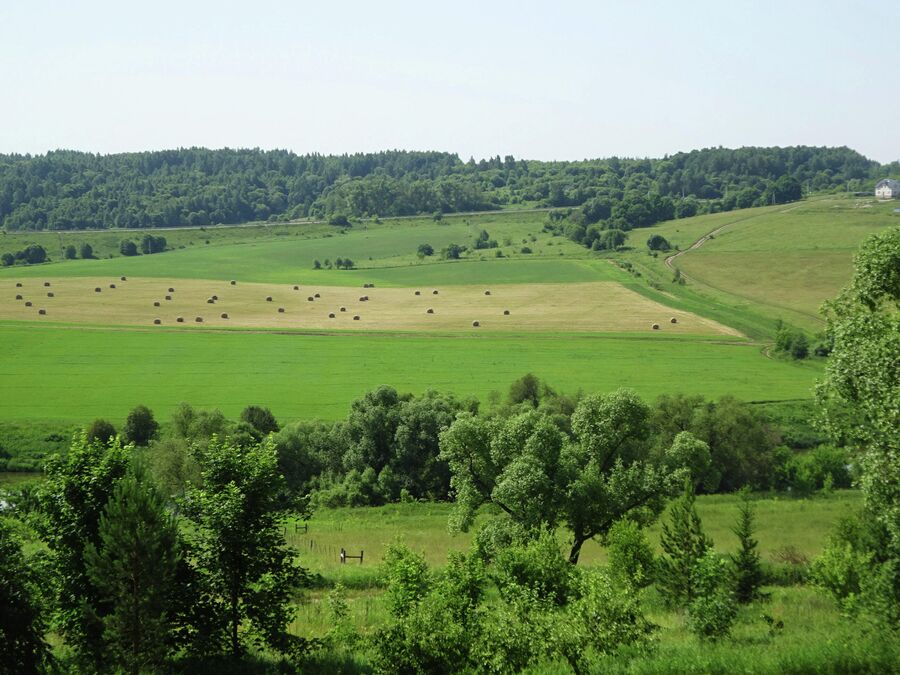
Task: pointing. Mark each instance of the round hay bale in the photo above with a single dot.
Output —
(296, 288)
(429, 311)
(180, 319)
(42, 311)
(156, 322)
(18, 284)
(674, 319)
(224, 315)
(123, 278)
(46, 283)
(655, 326)
(317, 295)
(233, 282)
(418, 292)
(168, 297)
(215, 297)
(28, 303)
(199, 319)
(331, 315)
(343, 309)
(363, 298)
(50, 294)
(210, 301)
(156, 303)
(171, 290)
(505, 312)
(356, 317)
(268, 298)
(281, 310)
(310, 299)
(434, 292)
(487, 292)
(475, 324)
(18, 297)
(112, 285)
(98, 289)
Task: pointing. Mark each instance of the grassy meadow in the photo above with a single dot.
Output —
(578, 319)
(775, 261)
(77, 373)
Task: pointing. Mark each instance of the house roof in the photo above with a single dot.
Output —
(890, 182)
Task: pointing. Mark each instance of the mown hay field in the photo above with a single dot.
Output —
(582, 307)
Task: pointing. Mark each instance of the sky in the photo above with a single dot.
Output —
(550, 80)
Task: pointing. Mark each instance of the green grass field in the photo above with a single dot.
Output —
(76, 374)
(767, 263)
(776, 261)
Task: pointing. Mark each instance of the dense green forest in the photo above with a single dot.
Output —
(194, 187)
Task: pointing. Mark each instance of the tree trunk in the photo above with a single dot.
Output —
(576, 550)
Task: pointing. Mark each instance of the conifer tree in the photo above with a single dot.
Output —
(133, 569)
(747, 571)
(684, 543)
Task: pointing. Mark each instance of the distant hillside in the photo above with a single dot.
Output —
(75, 190)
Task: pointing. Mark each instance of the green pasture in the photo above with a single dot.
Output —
(788, 528)
(775, 262)
(76, 374)
(285, 253)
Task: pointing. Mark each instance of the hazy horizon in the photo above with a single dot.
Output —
(579, 80)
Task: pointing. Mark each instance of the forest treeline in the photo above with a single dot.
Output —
(65, 190)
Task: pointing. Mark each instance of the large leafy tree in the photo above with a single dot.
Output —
(22, 622)
(73, 499)
(246, 574)
(538, 476)
(860, 395)
(133, 569)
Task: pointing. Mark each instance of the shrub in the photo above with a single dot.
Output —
(406, 574)
(260, 418)
(630, 556)
(140, 427)
(70, 252)
(339, 219)
(538, 568)
(713, 609)
(100, 430)
(128, 248)
(425, 250)
(658, 243)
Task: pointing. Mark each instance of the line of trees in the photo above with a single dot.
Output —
(197, 187)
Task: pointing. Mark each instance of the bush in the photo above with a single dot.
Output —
(69, 252)
(525, 249)
(406, 574)
(713, 609)
(128, 248)
(658, 243)
(630, 556)
(260, 418)
(86, 251)
(100, 430)
(140, 427)
(8, 259)
(792, 342)
(339, 219)
(538, 568)
(425, 250)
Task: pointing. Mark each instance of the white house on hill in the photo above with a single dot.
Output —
(887, 189)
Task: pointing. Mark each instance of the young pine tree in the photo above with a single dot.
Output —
(746, 568)
(133, 568)
(684, 543)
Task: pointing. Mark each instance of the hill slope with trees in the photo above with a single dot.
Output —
(65, 190)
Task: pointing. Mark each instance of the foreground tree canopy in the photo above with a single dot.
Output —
(529, 469)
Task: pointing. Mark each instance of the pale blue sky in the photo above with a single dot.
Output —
(553, 80)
